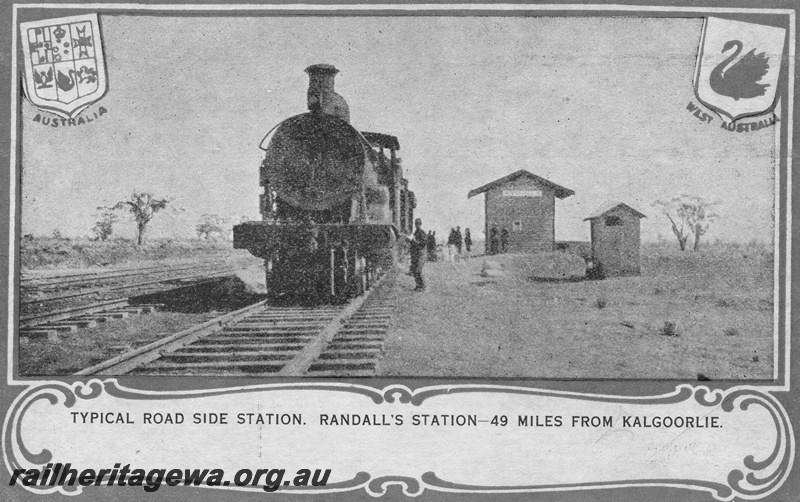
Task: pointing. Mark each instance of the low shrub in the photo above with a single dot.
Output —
(51, 252)
(668, 329)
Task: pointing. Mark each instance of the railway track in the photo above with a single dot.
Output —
(78, 279)
(262, 340)
(71, 320)
(36, 297)
(44, 316)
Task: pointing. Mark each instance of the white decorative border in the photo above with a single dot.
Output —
(754, 479)
(377, 487)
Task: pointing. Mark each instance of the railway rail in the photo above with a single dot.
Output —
(79, 279)
(119, 287)
(45, 315)
(261, 340)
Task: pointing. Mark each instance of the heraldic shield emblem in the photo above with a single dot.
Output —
(738, 66)
(64, 67)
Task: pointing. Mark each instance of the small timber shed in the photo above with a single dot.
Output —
(615, 239)
(521, 206)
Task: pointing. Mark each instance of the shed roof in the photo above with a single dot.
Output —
(561, 192)
(608, 206)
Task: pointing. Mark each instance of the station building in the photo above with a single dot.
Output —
(521, 205)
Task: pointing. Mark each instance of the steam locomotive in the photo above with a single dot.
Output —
(335, 209)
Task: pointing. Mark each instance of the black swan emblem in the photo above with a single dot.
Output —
(740, 80)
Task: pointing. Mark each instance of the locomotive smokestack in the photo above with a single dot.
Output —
(321, 96)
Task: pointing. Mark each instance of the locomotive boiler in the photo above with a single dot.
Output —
(335, 208)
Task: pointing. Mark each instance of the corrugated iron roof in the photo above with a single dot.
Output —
(608, 206)
(561, 192)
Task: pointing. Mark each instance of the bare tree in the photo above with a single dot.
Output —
(142, 206)
(688, 215)
(104, 226)
(701, 216)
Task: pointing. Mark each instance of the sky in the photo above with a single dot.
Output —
(597, 105)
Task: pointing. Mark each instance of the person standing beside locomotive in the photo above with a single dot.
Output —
(419, 246)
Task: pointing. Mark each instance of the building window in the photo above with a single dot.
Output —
(613, 221)
(516, 226)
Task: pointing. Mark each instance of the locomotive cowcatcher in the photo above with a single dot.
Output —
(335, 209)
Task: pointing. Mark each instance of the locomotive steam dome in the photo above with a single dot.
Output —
(316, 160)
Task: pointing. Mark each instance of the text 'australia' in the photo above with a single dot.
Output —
(62, 122)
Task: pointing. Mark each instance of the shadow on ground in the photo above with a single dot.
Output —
(222, 294)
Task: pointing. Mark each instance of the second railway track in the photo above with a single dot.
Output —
(263, 340)
(46, 315)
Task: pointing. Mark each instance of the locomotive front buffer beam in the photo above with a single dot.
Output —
(320, 262)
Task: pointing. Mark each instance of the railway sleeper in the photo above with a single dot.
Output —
(285, 318)
(288, 320)
(282, 317)
(117, 314)
(339, 346)
(247, 339)
(214, 347)
(224, 366)
(93, 317)
(376, 327)
(362, 331)
(61, 326)
(348, 355)
(286, 347)
(270, 332)
(293, 313)
(338, 367)
(181, 357)
(265, 326)
(298, 311)
(50, 335)
(280, 324)
(348, 339)
(76, 322)
(366, 324)
(273, 312)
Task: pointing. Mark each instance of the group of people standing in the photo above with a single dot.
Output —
(424, 248)
(456, 244)
(498, 241)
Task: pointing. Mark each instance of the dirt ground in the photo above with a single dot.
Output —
(689, 315)
(180, 309)
(90, 346)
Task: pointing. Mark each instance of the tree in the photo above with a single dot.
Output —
(688, 215)
(104, 226)
(142, 206)
(210, 224)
